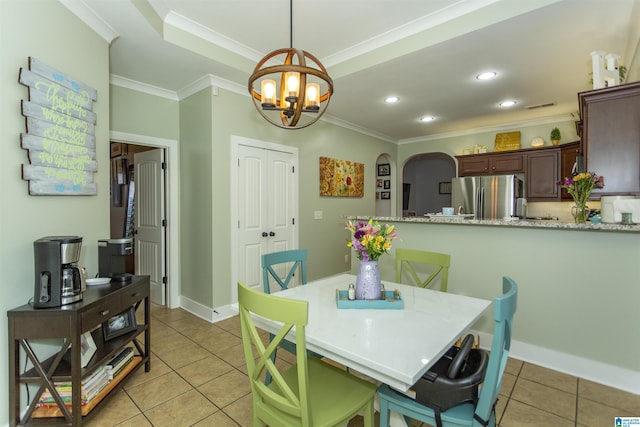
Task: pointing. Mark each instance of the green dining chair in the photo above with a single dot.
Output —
(409, 258)
(309, 393)
(274, 261)
(466, 414)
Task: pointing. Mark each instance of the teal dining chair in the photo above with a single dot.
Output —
(275, 260)
(271, 263)
(466, 414)
(409, 259)
(309, 393)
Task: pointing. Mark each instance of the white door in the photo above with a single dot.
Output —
(149, 214)
(266, 208)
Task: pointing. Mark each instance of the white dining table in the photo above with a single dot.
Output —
(393, 346)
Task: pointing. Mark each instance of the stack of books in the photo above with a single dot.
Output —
(91, 385)
(118, 363)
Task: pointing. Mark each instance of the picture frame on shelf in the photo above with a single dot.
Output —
(384, 195)
(120, 324)
(87, 348)
(384, 169)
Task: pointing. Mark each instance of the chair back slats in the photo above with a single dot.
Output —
(292, 313)
(273, 262)
(504, 308)
(407, 258)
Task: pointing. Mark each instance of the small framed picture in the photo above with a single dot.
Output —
(378, 183)
(120, 324)
(116, 149)
(384, 169)
(387, 184)
(87, 348)
(444, 187)
(385, 194)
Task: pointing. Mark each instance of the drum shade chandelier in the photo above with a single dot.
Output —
(301, 76)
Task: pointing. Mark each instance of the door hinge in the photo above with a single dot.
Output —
(164, 280)
(163, 165)
(164, 222)
(293, 169)
(293, 221)
(238, 224)
(238, 161)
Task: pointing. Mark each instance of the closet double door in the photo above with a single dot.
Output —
(267, 199)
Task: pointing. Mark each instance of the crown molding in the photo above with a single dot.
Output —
(92, 19)
(200, 31)
(143, 87)
(212, 81)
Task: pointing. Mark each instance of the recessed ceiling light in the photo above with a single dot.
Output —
(486, 76)
(508, 103)
(427, 118)
(391, 99)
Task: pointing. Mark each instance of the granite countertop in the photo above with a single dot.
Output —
(515, 222)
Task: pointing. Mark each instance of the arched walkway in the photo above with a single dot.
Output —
(429, 177)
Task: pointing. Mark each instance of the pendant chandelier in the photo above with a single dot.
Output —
(301, 76)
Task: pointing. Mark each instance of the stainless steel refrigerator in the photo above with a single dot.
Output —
(487, 197)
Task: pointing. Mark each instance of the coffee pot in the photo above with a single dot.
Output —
(58, 279)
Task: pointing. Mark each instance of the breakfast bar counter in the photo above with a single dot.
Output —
(507, 222)
(579, 286)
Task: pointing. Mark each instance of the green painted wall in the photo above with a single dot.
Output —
(144, 114)
(47, 31)
(578, 290)
(197, 198)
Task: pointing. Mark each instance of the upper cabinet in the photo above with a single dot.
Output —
(490, 164)
(611, 137)
(542, 167)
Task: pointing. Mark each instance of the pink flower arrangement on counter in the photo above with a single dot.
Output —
(370, 240)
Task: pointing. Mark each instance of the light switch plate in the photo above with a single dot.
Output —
(317, 215)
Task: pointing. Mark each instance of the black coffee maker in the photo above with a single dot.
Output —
(58, 280)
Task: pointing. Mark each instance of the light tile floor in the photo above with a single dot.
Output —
(198, 378)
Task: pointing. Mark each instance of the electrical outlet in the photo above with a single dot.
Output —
(346, 259)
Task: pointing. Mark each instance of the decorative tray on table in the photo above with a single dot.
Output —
(392, 301)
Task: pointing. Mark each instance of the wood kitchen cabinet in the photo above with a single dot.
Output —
(542, 167)
(611, 137)
(542, 175)
(490, 164)
(29, 326)
(570, 161)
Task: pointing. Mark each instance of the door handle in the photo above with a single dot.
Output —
(264, 234)
(271, 233)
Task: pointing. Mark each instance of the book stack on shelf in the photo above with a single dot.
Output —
(92, 386)
(118, 363)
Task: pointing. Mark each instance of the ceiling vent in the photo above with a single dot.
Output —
(533, 107)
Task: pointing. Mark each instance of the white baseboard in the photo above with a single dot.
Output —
(207, 313)
(598, 372)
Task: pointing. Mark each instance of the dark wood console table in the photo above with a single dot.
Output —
(27, 325)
